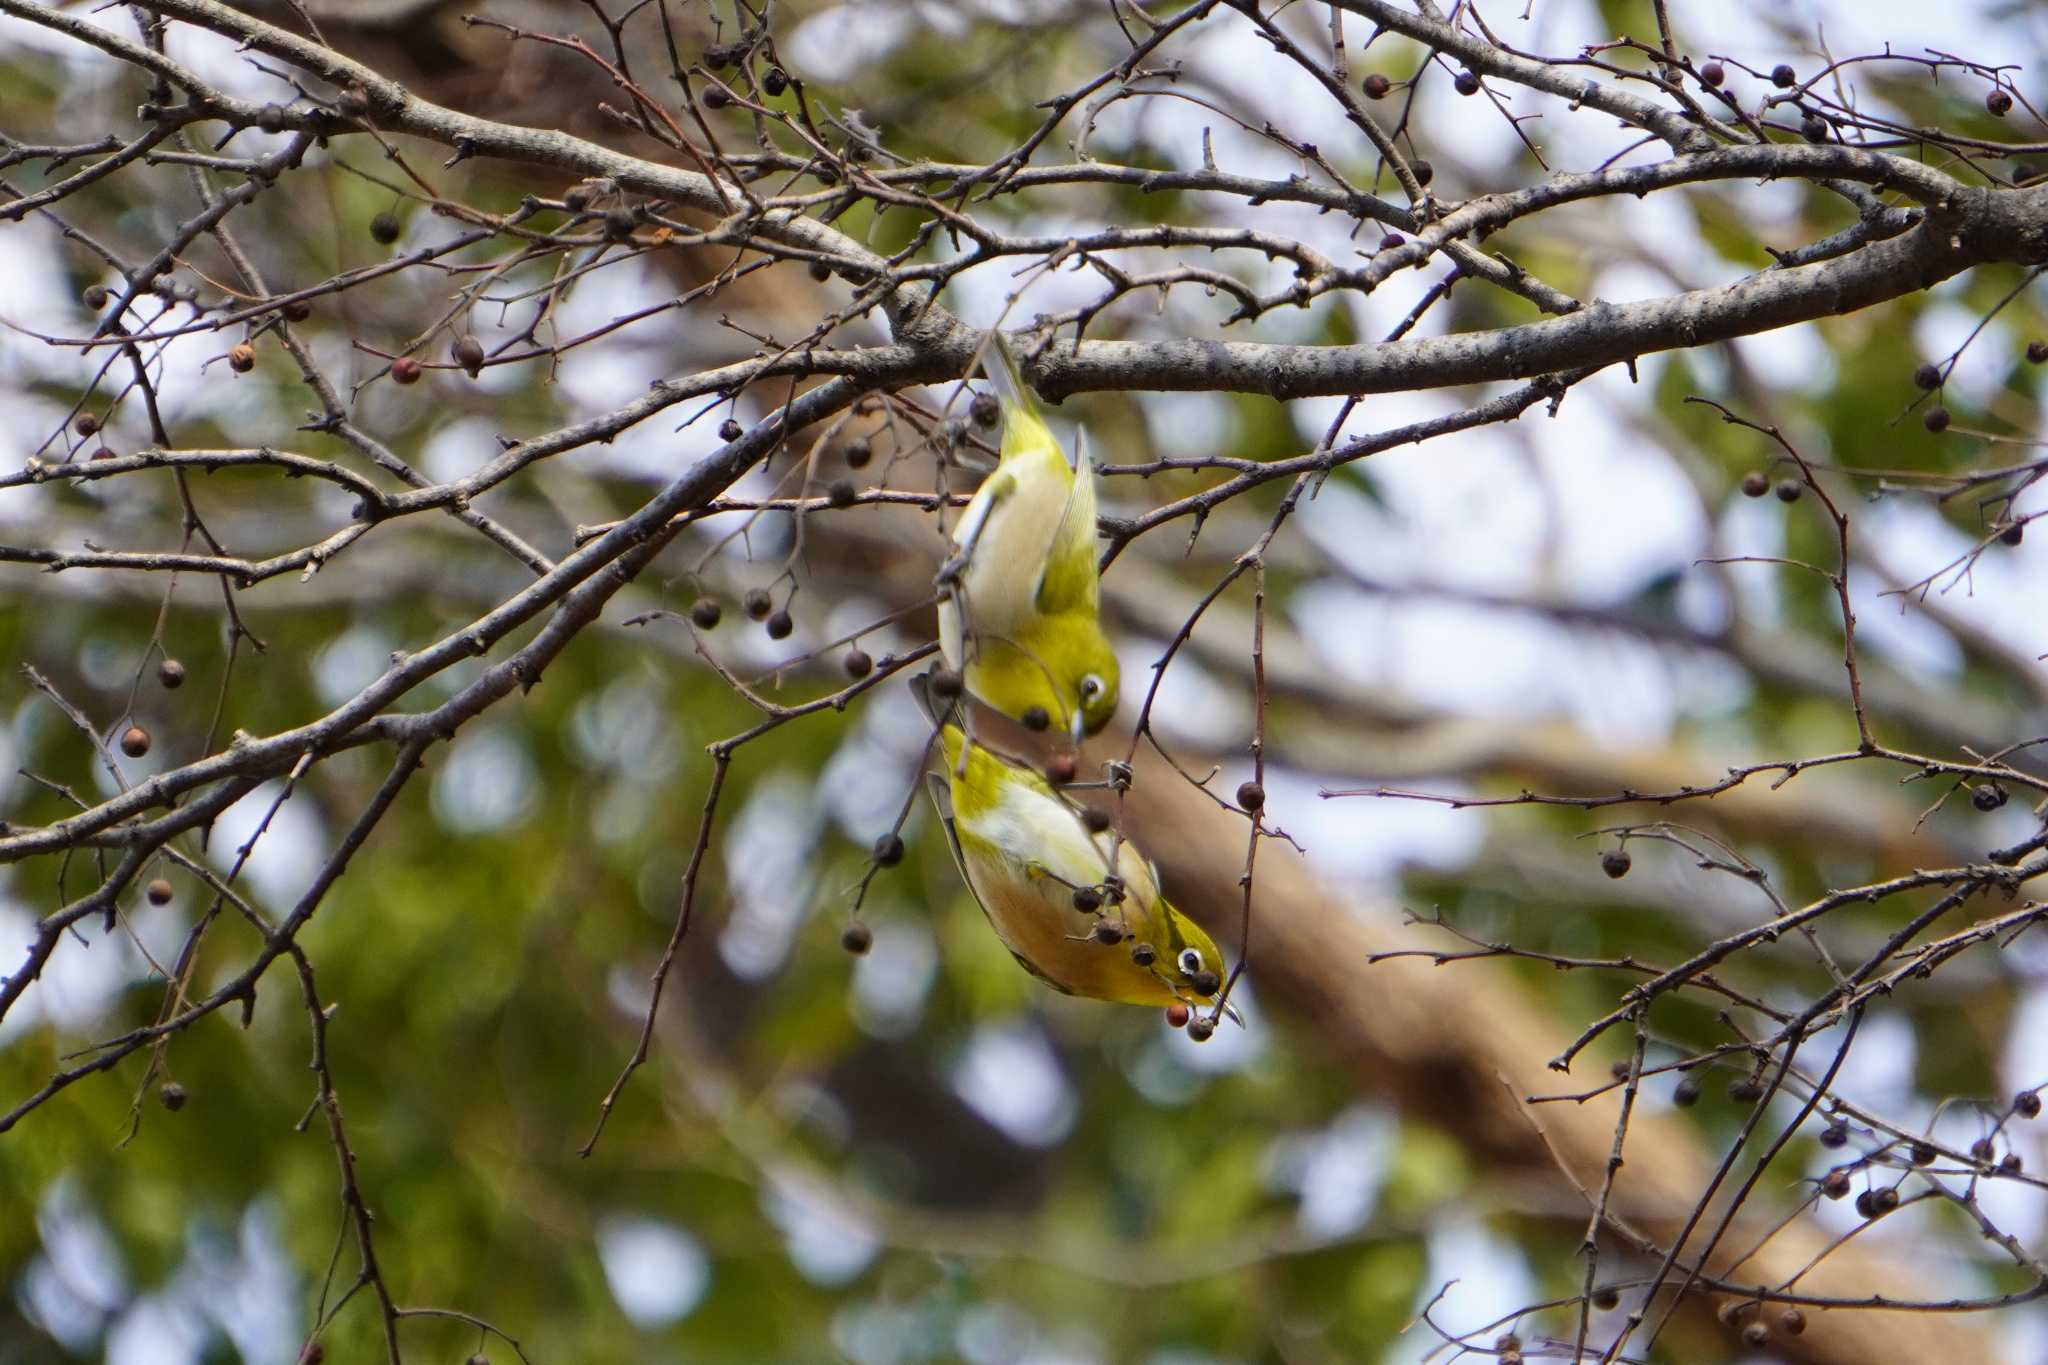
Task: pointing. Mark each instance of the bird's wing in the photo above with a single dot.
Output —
(1068, 580)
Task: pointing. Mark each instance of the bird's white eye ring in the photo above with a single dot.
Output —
(1091, 686)
(1190, 961)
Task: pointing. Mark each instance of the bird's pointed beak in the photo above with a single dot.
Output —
(1230, 1013)
(1078, 723)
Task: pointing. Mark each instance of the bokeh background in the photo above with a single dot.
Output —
(920, 1155)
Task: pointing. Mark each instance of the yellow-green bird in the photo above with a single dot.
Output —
(1019, 597)
(1043, 879)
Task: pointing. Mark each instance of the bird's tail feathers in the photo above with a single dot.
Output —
(1004, 376)
(938, 712)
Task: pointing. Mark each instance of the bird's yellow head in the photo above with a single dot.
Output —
(1066, 677)
(1186, 956)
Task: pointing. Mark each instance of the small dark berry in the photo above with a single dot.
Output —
(1788, 490)
(715, 97)
(1885, 1200)
(103, 453)
(1754, 484)
(1998, 102)
(985, 410)
(1615, 862)
(840, 493)
(721, 55)
(171, 1096)
(1814, 128)
(779, 624)
(856, 938)
(1467, 83)
(96, 297)
(1200, 1029)
(1756, 1334)
(858, 452)
(1783, 76)
(730, 429)
(1746, 1091)
(298, 310)
(1035, 718)
(1982, 1151)
(1507, 1341)
(2037, 352)
(1143, 953)
(2011, 1164)
(353, 102)
(1935, 418)
(619, 223)
(1087, 899)
(242, 357)
(384, 228)
(857, 663)
(170, 675)
(1376, 86)
(2013, 534)
(135, 741)
(1835, 1184)
(1920, 1154)
(889, 850)
(1988, 797)
(1619, 1068)
(1096, 820)
(1792, 1322)
(775, 81)
(1251, 796)
(1866, 1205)
(478, 1359)
(405, 370)
(1108, 933)
(1835, 1135)
(1060, 769)
(756, 603)
(1606, 1297)
(1927, 375)
(945, 684)
(86, 424)
(1177, 1015)
(1422, 170)
(1712, 75)
(820, 271)
(2027, 1104)
(705, 614)
(468, 352)
(1205, 983)
(1686, 1093)
(1392, 240)
(314, 1354)
(158, 891)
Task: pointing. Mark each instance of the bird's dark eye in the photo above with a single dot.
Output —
(1035, 718)
(1190, 961)
(1091, 686)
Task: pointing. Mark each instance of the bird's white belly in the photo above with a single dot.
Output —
(1001, 579)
